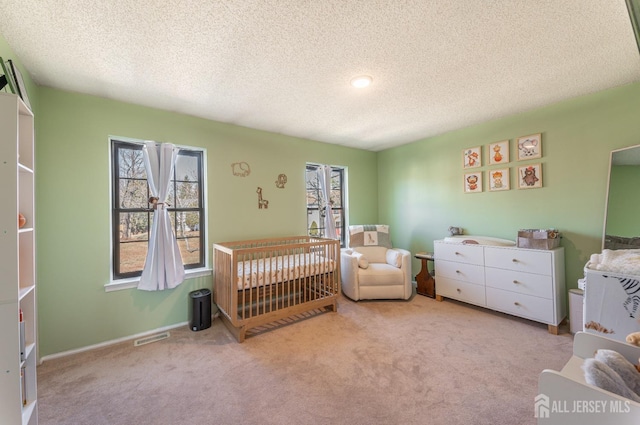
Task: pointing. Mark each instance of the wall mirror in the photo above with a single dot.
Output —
(622, 214)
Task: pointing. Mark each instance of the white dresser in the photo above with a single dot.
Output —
(528, 283)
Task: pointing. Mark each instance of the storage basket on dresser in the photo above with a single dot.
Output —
(528, 283)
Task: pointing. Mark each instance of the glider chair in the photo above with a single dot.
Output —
(370, 269)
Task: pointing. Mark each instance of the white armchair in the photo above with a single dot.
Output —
(375, 272)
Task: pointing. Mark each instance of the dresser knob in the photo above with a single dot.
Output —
(457, 253)
(516, 304)
(458, 271)
(515, 260)
(516, 282)
(458, 290)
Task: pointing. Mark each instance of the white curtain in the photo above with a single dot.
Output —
(163, 268)
(324, 176)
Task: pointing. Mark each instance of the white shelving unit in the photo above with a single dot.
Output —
(18, 353)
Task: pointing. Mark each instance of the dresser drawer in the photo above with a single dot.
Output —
(523, 283)
(460, 271)
(463, 291)
(527, 306)
(470, 254)
(522, 260)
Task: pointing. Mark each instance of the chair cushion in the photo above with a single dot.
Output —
(380, 274)
(363, 263)
(394, 258)
(375, 254)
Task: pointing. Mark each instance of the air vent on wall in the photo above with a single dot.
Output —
(151, 338)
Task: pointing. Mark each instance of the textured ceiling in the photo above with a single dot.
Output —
(285, 65)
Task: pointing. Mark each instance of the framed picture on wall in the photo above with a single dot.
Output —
(472, 157)
(473, 182)
(499, 179)
(530, 176)
(529, 147)
(498, 152)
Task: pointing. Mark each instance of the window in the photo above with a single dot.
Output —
(316, 203)
(132, 217)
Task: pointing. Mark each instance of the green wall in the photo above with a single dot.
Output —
(624, 210)
(421, 190)
(73, 207)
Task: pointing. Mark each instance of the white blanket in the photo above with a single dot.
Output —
(280, 269)
(623, 261)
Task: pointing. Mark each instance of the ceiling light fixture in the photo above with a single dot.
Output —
(361, 81)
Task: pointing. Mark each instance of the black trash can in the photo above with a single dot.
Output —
(200, 309)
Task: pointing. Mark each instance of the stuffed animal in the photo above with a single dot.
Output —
(455, 231)
(612, 372)
(634, 338)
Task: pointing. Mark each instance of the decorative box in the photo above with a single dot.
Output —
(538, 238)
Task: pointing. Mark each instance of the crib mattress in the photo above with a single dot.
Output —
(254, 273)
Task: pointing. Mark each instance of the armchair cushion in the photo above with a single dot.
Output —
(363, 263)
(375, 254)
(380, 274)
(394, 258)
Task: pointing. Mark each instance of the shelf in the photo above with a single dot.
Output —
(24, 169)
(28, 412)
(23, 292)
(30, 349)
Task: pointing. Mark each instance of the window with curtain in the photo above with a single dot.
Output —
(316, 202)
(132, 215)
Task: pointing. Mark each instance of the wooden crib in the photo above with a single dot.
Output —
(257, 282)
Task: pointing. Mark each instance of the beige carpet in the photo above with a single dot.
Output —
(391, 362)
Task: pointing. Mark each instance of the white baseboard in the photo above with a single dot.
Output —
(112, 342)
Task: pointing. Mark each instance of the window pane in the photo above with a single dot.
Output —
(134, 226)
(315, 224)
(337, 219)
(133, 241)
(188, 195)
(133, 194)
(131, 164)
(188, 224)
(336, 198)
(313, 188)
(133, 256)
(189, 250)
(186, 168)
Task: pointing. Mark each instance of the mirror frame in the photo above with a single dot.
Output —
(606, 201)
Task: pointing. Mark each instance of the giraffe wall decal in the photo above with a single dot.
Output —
(262, 203)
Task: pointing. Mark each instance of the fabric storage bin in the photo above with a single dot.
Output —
(538, 238)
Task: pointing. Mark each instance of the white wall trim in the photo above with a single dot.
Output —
(132, 283)
(112, 342)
